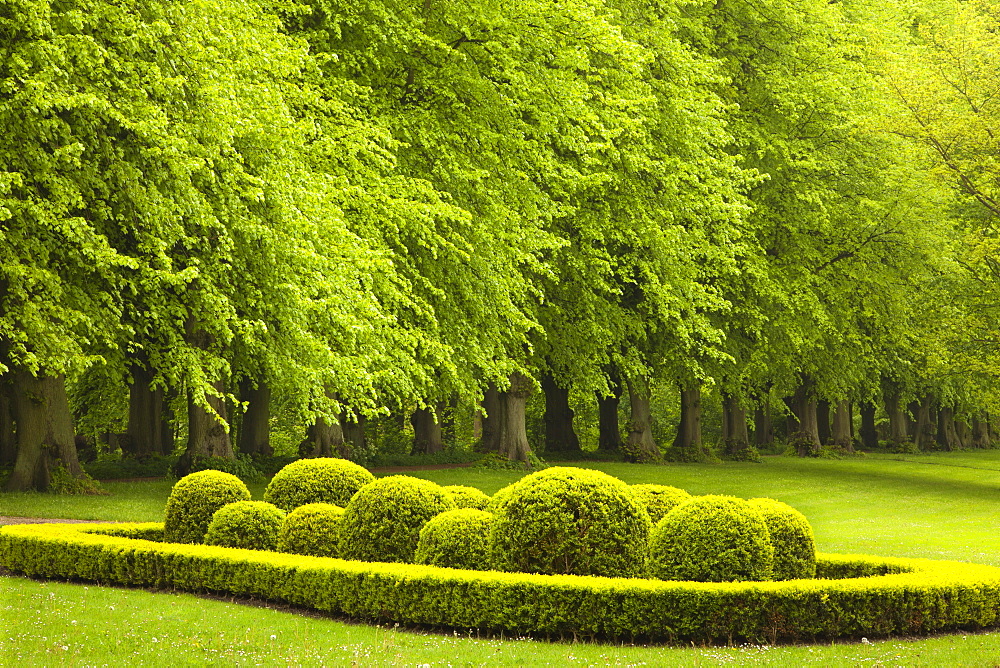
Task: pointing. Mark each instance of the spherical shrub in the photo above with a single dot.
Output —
(456, 539)
(792, 536)
(312, 529)
(468, 497)
(383, 520)
(251, 525)
(194, 499)
(712, 539)
(659, 499)
(570, 520)
(321, 480)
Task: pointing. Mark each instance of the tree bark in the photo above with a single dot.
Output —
(947, 434)
(8, 442)
(559, 433)
(255, 429)
(897, 417)
(207, 433)
(492, 418)
(609, 436)
(924, 430)
(806, 434)
(868, 434)
(427, 434)
(823, 420)
(640, 444)
(735, 438)
(513, 440)
(763, 427)
(45, 435)
(145, 432)
(964, 433)
(354, 430)
(980, 432)
(843, 426)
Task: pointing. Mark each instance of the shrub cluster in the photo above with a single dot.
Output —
(321, 480)
(456, 539)
(251, 525)
(194, 499)
(885, 596)
(467, 497)
(659, 499)
(312, 529)
(569, 520)
(792, 537)
(382, 522)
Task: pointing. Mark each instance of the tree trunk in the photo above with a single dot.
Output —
(255, 429)
(559, 433)
(427, 434)
(354, 430)
(869, 436)
(964, 433)
(45, 435)
(640, 446)
(688, 438)
(947, 434)
(145, 432)
(843, 426)
(806, 434)
(8, 442)
(492, 418)
(823, 420)
(609, 431)
(449, 420)
(897, 417)
(980, 432)
(207, 433)
(735, 438)
(763, 427)
(513, 438)
(924, 431)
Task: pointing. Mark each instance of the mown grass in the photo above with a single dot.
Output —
(943, 506)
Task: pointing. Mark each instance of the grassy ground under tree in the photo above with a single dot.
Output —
(942, 506)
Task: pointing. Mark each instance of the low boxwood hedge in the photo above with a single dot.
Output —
(899, 596)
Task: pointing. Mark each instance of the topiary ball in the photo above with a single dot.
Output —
(712, 539)
(251, 525)
(312, 529)
(456, 539)
(792, 536)
(569, 520)
(194, 499)
(320, 480)
(659, 499)
(383, 520)
(468, 497)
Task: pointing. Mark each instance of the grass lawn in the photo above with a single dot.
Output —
(942, 506)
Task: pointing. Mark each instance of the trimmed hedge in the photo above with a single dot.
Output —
(792, 536)
(195, 498)
(319, 480)
(383, 520)
(918, 596)
(456, 539)
(712, 539)
(312, 529)
(659, 499)
(252, 525)
(468, 497)
(568, 520)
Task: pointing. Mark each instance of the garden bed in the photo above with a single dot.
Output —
(855, 595)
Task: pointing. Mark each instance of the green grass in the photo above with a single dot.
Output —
(944, 506)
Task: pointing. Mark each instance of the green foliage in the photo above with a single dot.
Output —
(242, 466)
(321, 480)
(194, 499)
(658, 500)
(792, 537)
(747, 454)
(883, 596)
(456, 539)
(569, 520)
(62, 481)
(712, 539)
(312, 529)
(467, 497)
(382, 522)
(250, 525)
(116, 469)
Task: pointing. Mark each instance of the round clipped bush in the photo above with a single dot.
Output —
(383, 520)
(792, 536)
(569, 520)
(251, 525)
(312, 529)
(194, 499)
(321, 480)
(712, 539)
(456, 539)
(468, 497)
(659, 499)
